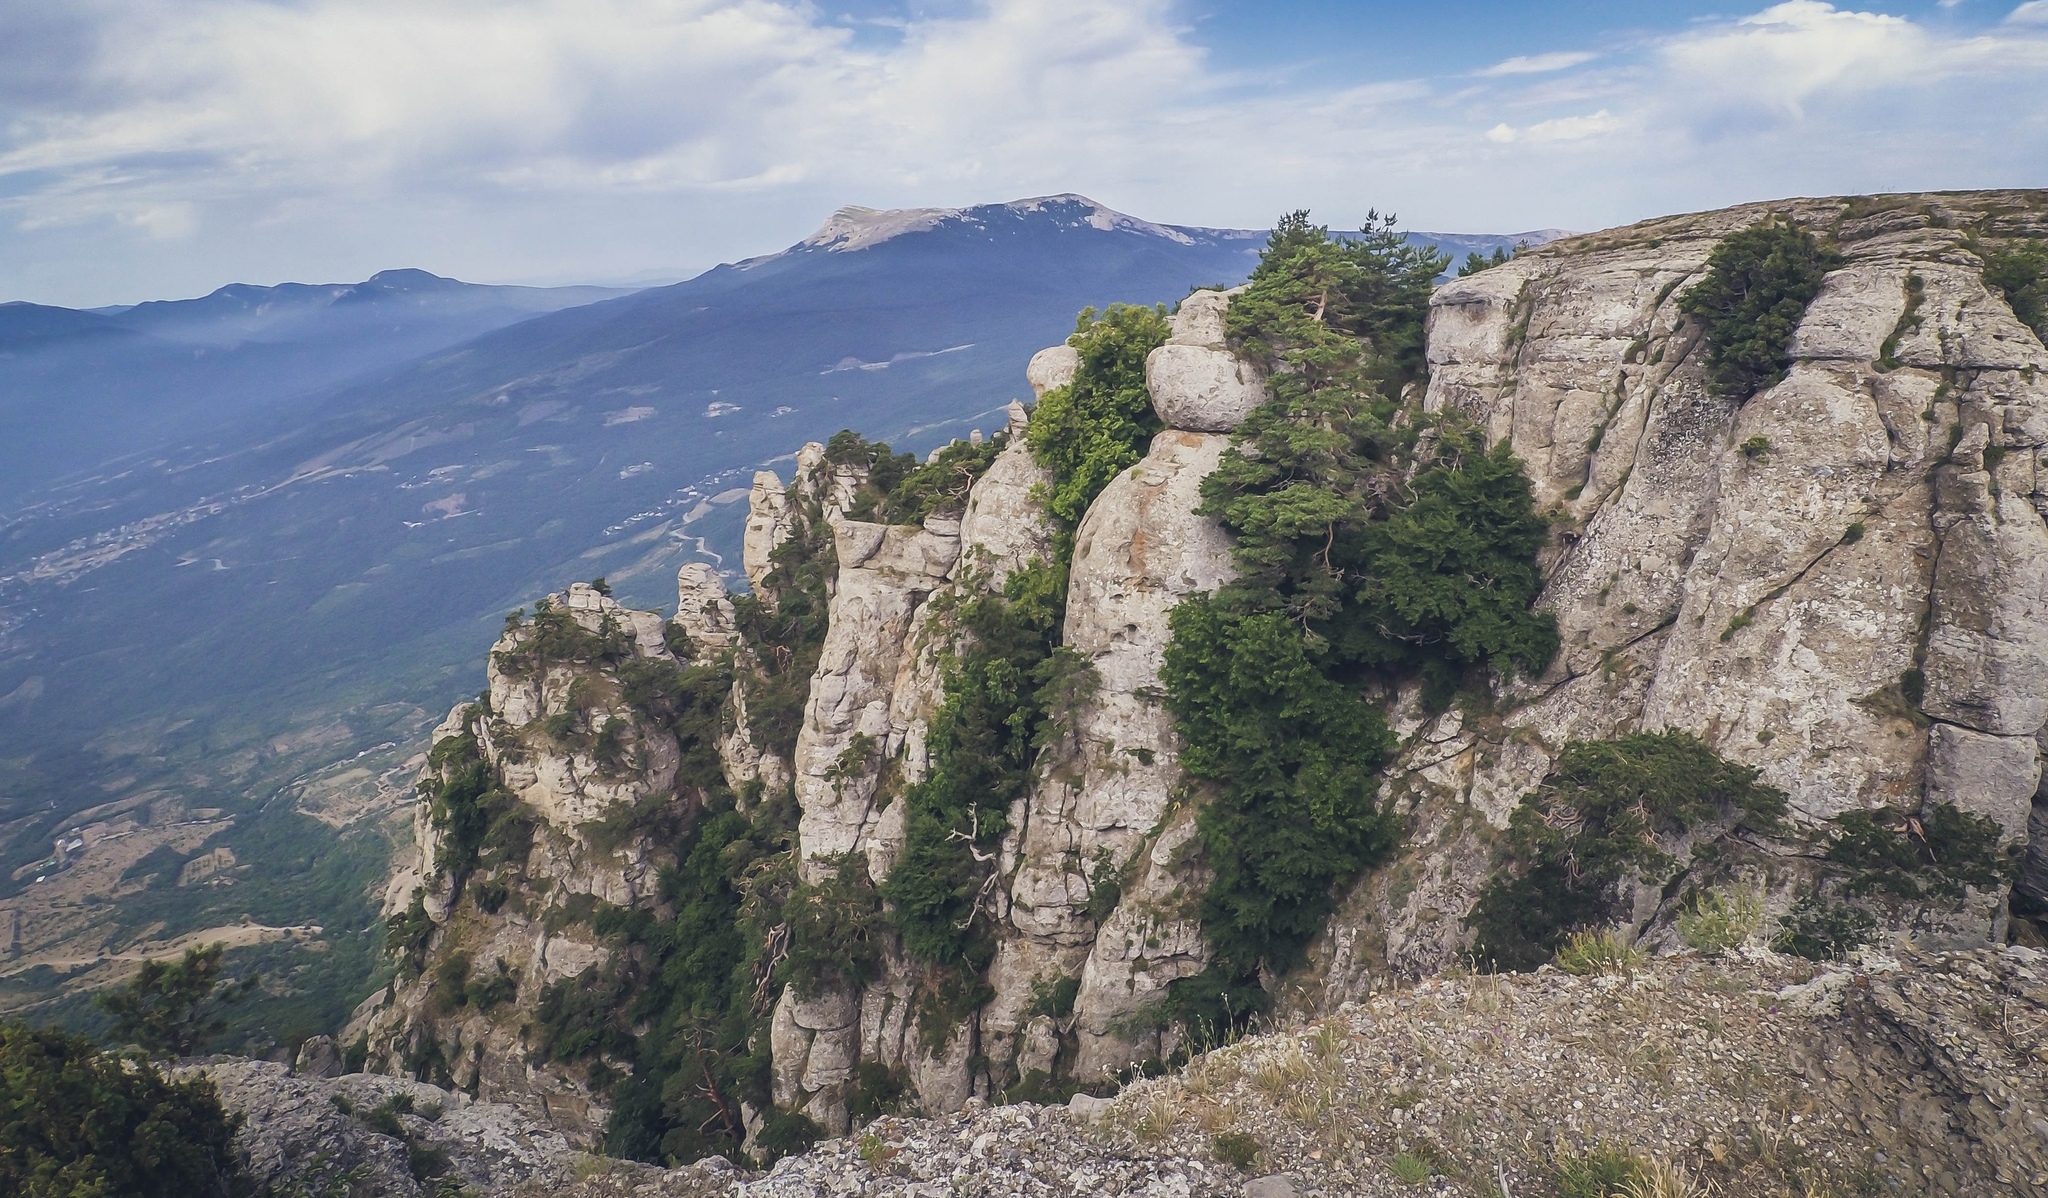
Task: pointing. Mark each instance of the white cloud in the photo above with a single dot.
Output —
(503, 138)
(1538, 64)
(2033, 12)
(1573, 128)
(1794, 52)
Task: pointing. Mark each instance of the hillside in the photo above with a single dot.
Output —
(218, 652)
(1668, 590)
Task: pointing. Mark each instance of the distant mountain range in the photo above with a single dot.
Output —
(83, 388)
(252, 545)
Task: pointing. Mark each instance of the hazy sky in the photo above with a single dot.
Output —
(158, 148)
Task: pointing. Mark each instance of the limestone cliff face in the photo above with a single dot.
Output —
(1842, 581)
(1763, 574)
(576, 802)
(1098, 814)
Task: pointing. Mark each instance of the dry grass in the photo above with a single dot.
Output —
(1661, 1179)
(1722, 919)
(1588, 953)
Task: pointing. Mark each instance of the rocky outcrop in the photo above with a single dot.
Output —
(578, 794)
(1915, 1074)
(884, 574)
(879, 681)
(1051, 368)
(767, 525)
(1838, 581)
(704, 609)
(1197, 384)
(1774, 575)
(1095, 814)
(312, 1131)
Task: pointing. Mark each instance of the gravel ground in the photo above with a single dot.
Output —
(1750, 1075)
(1745, 1075)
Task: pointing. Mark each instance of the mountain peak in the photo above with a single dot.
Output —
(856, 228)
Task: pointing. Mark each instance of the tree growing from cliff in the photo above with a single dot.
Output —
(1597, 820)
(173, 1008)
(981, 745)
(1372, 543)
(1323, 314)
(1759, 282)
(1293, 756)
(1088, 431)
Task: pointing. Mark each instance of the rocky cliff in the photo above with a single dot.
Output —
(1833, 582)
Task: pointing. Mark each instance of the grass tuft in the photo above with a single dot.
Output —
(1587, 953)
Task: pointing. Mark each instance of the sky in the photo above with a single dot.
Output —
(162, 148)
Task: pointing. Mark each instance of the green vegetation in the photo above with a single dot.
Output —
(684, 1004)
(669, 1026)
(1721, 919)
(1293, 754)
(1372, 545)
(1089, 430)
(1922, 857)
(901, 491)
(76, 1122)
(1476, 262)
(783, 623)
(999, 690)
(1758, 283)
(172, 1009)
(1236, 1149)
(455, 987)
(2018, 270)
(1400, 545)
(1344, 316)
(836, 930)
(1820, 930)
(1054, 998)
(555, 638)
(482, 824)
(1407, 1167)
(1595, 822)
(1587, 953)
(1598, 1173)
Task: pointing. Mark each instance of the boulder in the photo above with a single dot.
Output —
(1197, 384)
(1051, 368)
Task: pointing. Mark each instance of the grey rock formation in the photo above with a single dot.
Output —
(1197, 384)
(767, 525)
(314, 1130)
(1052, 367)
(1096, 809)
(1757, 573)
(703, 608)
(884, 573)
(319, 1056)
(569, 795)
(1780, 574)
